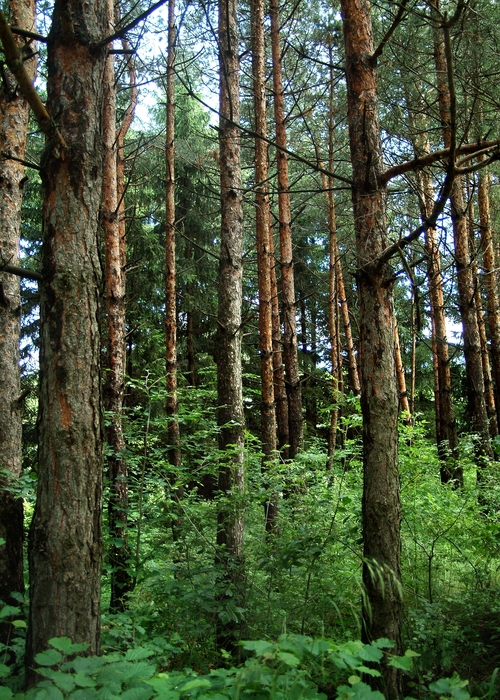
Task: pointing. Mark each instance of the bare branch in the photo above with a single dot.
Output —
(121, 32)
(15, 63)
(397, 20)
(29, 35)
(21, 272)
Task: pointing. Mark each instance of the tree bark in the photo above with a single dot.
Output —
(290, 355)
(14, 112)
(230, 522)
(490, 279)
(65, 549)
(400, 374)
(478, 417)
(114, 385)
(264, 258)
(281, 401)
(383, 605)
(174, 437)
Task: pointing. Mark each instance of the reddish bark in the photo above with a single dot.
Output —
(264, 256)
(290, 355)
(13, 134)
(383, 605)
(65, 551)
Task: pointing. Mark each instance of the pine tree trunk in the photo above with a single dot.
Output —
(230, 523)
(400, 374)
(478, 416)
(13, 134)
(290, 355)
(281, 401)
(119, 553)
(383, 606)
(174, 437)
(490, 280)
(65, 549)
(264, 259)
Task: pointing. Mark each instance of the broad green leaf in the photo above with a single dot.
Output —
(4, 671)
(195, 683)
(19, 623)
(82, 680)
(411, 653)
(6, 693)
(61, 643)
(137, 694)
(8, 611)
(2, 542)
(288, 659)
(64, 681)
(405, 663)
(353, 680)
(48, 658)
(260, 647)
(370, 653)
(138, 653)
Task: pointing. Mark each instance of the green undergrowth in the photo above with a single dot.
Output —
(292, 668)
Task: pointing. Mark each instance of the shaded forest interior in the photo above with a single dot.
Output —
(249, 350)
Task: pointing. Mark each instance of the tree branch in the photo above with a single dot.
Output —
(21, 272)
(121, 32)
(29, 35)
(15, 64)
(430, 158)
(390, 32)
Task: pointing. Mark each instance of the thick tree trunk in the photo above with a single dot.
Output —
(13, 133)
(264, 258)
(290, 355)
(230, 523)
(383, 606)
(65, 551)
(174, 437)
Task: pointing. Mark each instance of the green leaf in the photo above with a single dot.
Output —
(137, 694)
(84, 681)
(138, 653)
(48, 658)
(195, 683)
(19, 623)
(260, 647)
(8, 611)
(61, 643)
(2, 542)
(288, 659)
(4, 671)
(405, 663)
(411, 653)
(6, 693)
(64, 681)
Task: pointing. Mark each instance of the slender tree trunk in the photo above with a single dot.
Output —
(281, 401)
(13, 134)
(383, 605)
(490, 279)
(400, 374)
(264, 258)
(119, 554)
(65, 549)
(290, 355)
(230, 522)
(466, 283)
(174, 438)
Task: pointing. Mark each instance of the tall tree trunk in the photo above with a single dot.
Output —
(383, 605)
(290, 355)
(119, 552)
(281, 401)
(264, 258)
(490, 280)
(65, 549)
(13, 134)
(478, 416)
(174, 438)
(230, 522)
